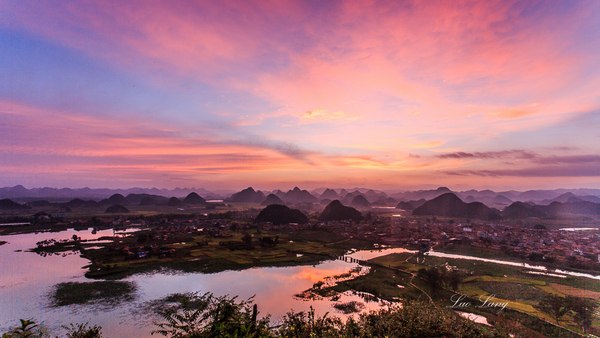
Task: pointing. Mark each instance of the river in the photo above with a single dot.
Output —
(27, 279)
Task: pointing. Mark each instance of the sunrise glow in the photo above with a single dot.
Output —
(274, 94)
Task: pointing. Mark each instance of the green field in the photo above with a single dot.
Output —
(483, 281)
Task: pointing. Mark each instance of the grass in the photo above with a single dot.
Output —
(504, 280)
(506, 283)
(514, 291)
(311, 244)
(107, 293)
(383, 283)
(571, 291)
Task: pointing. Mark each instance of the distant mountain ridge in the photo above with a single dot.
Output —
(280, 214)
(450, 205)
(491, 198)
(336, 211)
(20, 192)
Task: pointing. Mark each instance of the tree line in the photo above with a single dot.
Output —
(197, 315)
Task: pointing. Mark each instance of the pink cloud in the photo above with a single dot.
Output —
(371, 81)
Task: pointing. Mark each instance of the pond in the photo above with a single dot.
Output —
(27, 279)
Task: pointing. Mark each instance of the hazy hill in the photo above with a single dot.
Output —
(325, 201)
(7, 204)
(553, 210)
(405, 206)
(372, 195)
(118, 199)
(20, 192)
(418, 203)
(519, 210)
(272, 199)
(449, 205)
(557, 209)
(538, 195)
(569, 197)
(279, 193)
(349, 197)
(299, 196)
(501, 199)
(421, 194)
(247, 195)
(116, 209)
(149, 200)
(79, 203)
(146, 199)
(360, 201)
(174, 202)
(280, 214)
(385, 202)
(193, 198)
(156, 196)
(329, 194)
(336, 211)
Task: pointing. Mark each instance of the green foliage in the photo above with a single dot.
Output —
(418, 319)
(454, 279)
(196, 315)
(584, 310)
(28, 329)
(306, 324)
(81, 330)
(247, 239)
(433, 276)
(554, 305)
(205, 315)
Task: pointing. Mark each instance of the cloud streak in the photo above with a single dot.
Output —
(516, 154)
(298, 89)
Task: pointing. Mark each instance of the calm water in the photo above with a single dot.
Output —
(28, 278)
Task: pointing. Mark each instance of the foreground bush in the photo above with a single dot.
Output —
(198, 316)
(204, 315)
(29, 329)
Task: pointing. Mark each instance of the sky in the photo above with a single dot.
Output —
(276, 94)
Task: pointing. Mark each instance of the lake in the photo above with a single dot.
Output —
(28, 278)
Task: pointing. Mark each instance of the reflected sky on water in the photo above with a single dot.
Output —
(28, 278)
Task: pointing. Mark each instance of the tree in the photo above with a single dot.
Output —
(454, 278)
(433, 276)
(247, 239)
(555, 306)
(204, 315)
(307, 324)
(83, 331)
(584, 310)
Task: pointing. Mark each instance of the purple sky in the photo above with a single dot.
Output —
(274, 94)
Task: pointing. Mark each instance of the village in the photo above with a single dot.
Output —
(565, 248)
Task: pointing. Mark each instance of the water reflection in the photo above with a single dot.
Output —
(28, 278)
